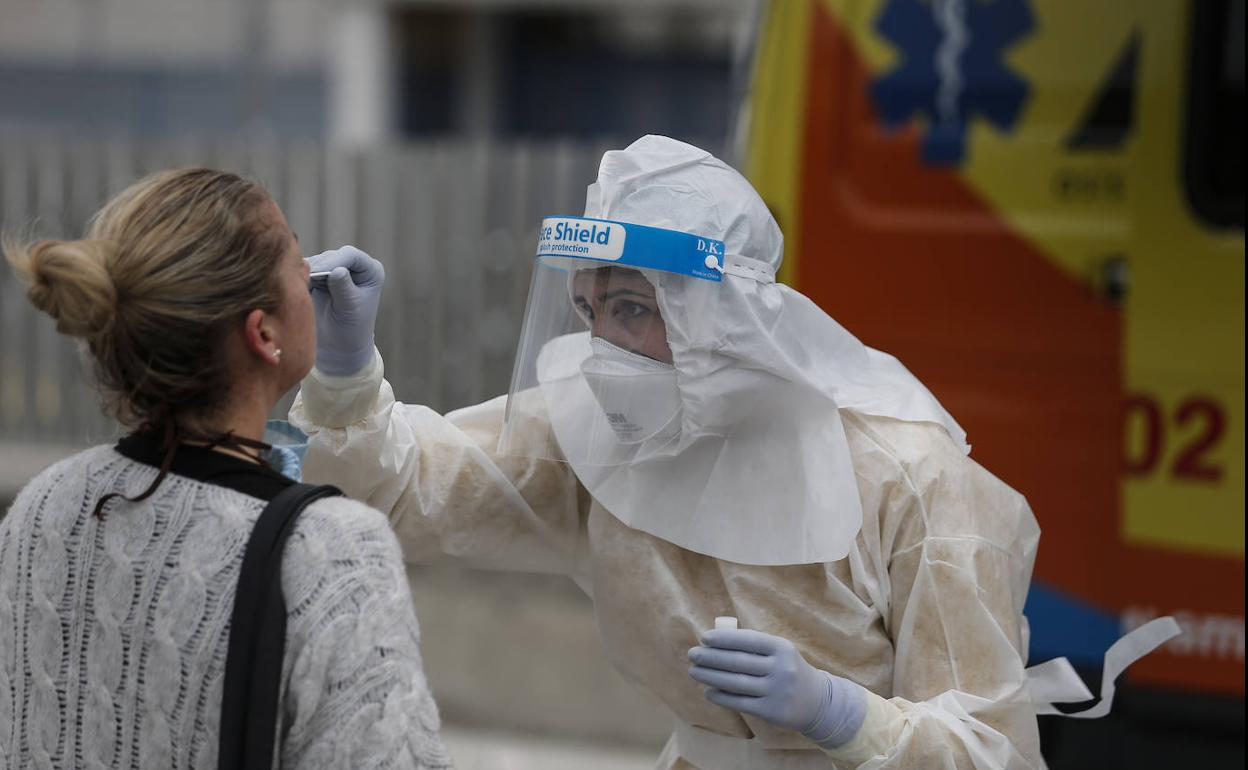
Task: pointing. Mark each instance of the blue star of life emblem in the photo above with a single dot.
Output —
(951, 69)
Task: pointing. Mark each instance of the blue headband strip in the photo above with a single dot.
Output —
(622, 243)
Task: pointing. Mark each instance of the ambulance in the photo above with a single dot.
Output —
(1038, 206)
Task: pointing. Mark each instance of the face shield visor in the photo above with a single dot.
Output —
(595, 381)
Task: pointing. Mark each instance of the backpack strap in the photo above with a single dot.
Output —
(253, 668)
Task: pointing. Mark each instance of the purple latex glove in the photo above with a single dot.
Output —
(765, 676)
(346, 304)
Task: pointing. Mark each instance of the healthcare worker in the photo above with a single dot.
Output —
(687, 438)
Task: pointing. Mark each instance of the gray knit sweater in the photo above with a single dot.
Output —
(113, 633)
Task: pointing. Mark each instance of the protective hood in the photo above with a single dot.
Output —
(753, 466)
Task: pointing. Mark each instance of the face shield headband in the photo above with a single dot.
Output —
(580, 239)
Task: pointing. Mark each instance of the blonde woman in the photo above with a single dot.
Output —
(118, 566)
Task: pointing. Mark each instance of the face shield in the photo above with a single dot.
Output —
(595, 380)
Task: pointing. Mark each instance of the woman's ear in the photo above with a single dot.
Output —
(258, 336)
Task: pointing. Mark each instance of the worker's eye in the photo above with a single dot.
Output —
(582, 307)
(626, 310)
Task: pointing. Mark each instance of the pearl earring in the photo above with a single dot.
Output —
(277, 354)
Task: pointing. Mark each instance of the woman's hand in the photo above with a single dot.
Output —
(346, 309)
(765, 676)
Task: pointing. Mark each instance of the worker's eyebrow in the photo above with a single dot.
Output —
(624, 293)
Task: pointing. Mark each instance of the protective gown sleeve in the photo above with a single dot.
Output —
(959, 563)
(440, 479)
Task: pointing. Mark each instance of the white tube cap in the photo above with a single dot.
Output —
(725, 624)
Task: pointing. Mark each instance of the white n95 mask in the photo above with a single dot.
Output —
(638, 395)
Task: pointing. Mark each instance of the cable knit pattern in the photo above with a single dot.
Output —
(113, 634)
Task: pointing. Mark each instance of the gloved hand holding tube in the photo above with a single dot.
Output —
(346, 303)
(765, 676)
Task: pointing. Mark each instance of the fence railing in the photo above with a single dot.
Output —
(455, 223)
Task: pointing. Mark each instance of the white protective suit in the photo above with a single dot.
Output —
(925, 611)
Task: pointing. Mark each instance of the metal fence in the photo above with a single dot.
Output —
(455, 223)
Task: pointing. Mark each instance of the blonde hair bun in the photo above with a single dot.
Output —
(70, 281)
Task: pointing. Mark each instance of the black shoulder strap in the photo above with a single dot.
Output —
(253, 668)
